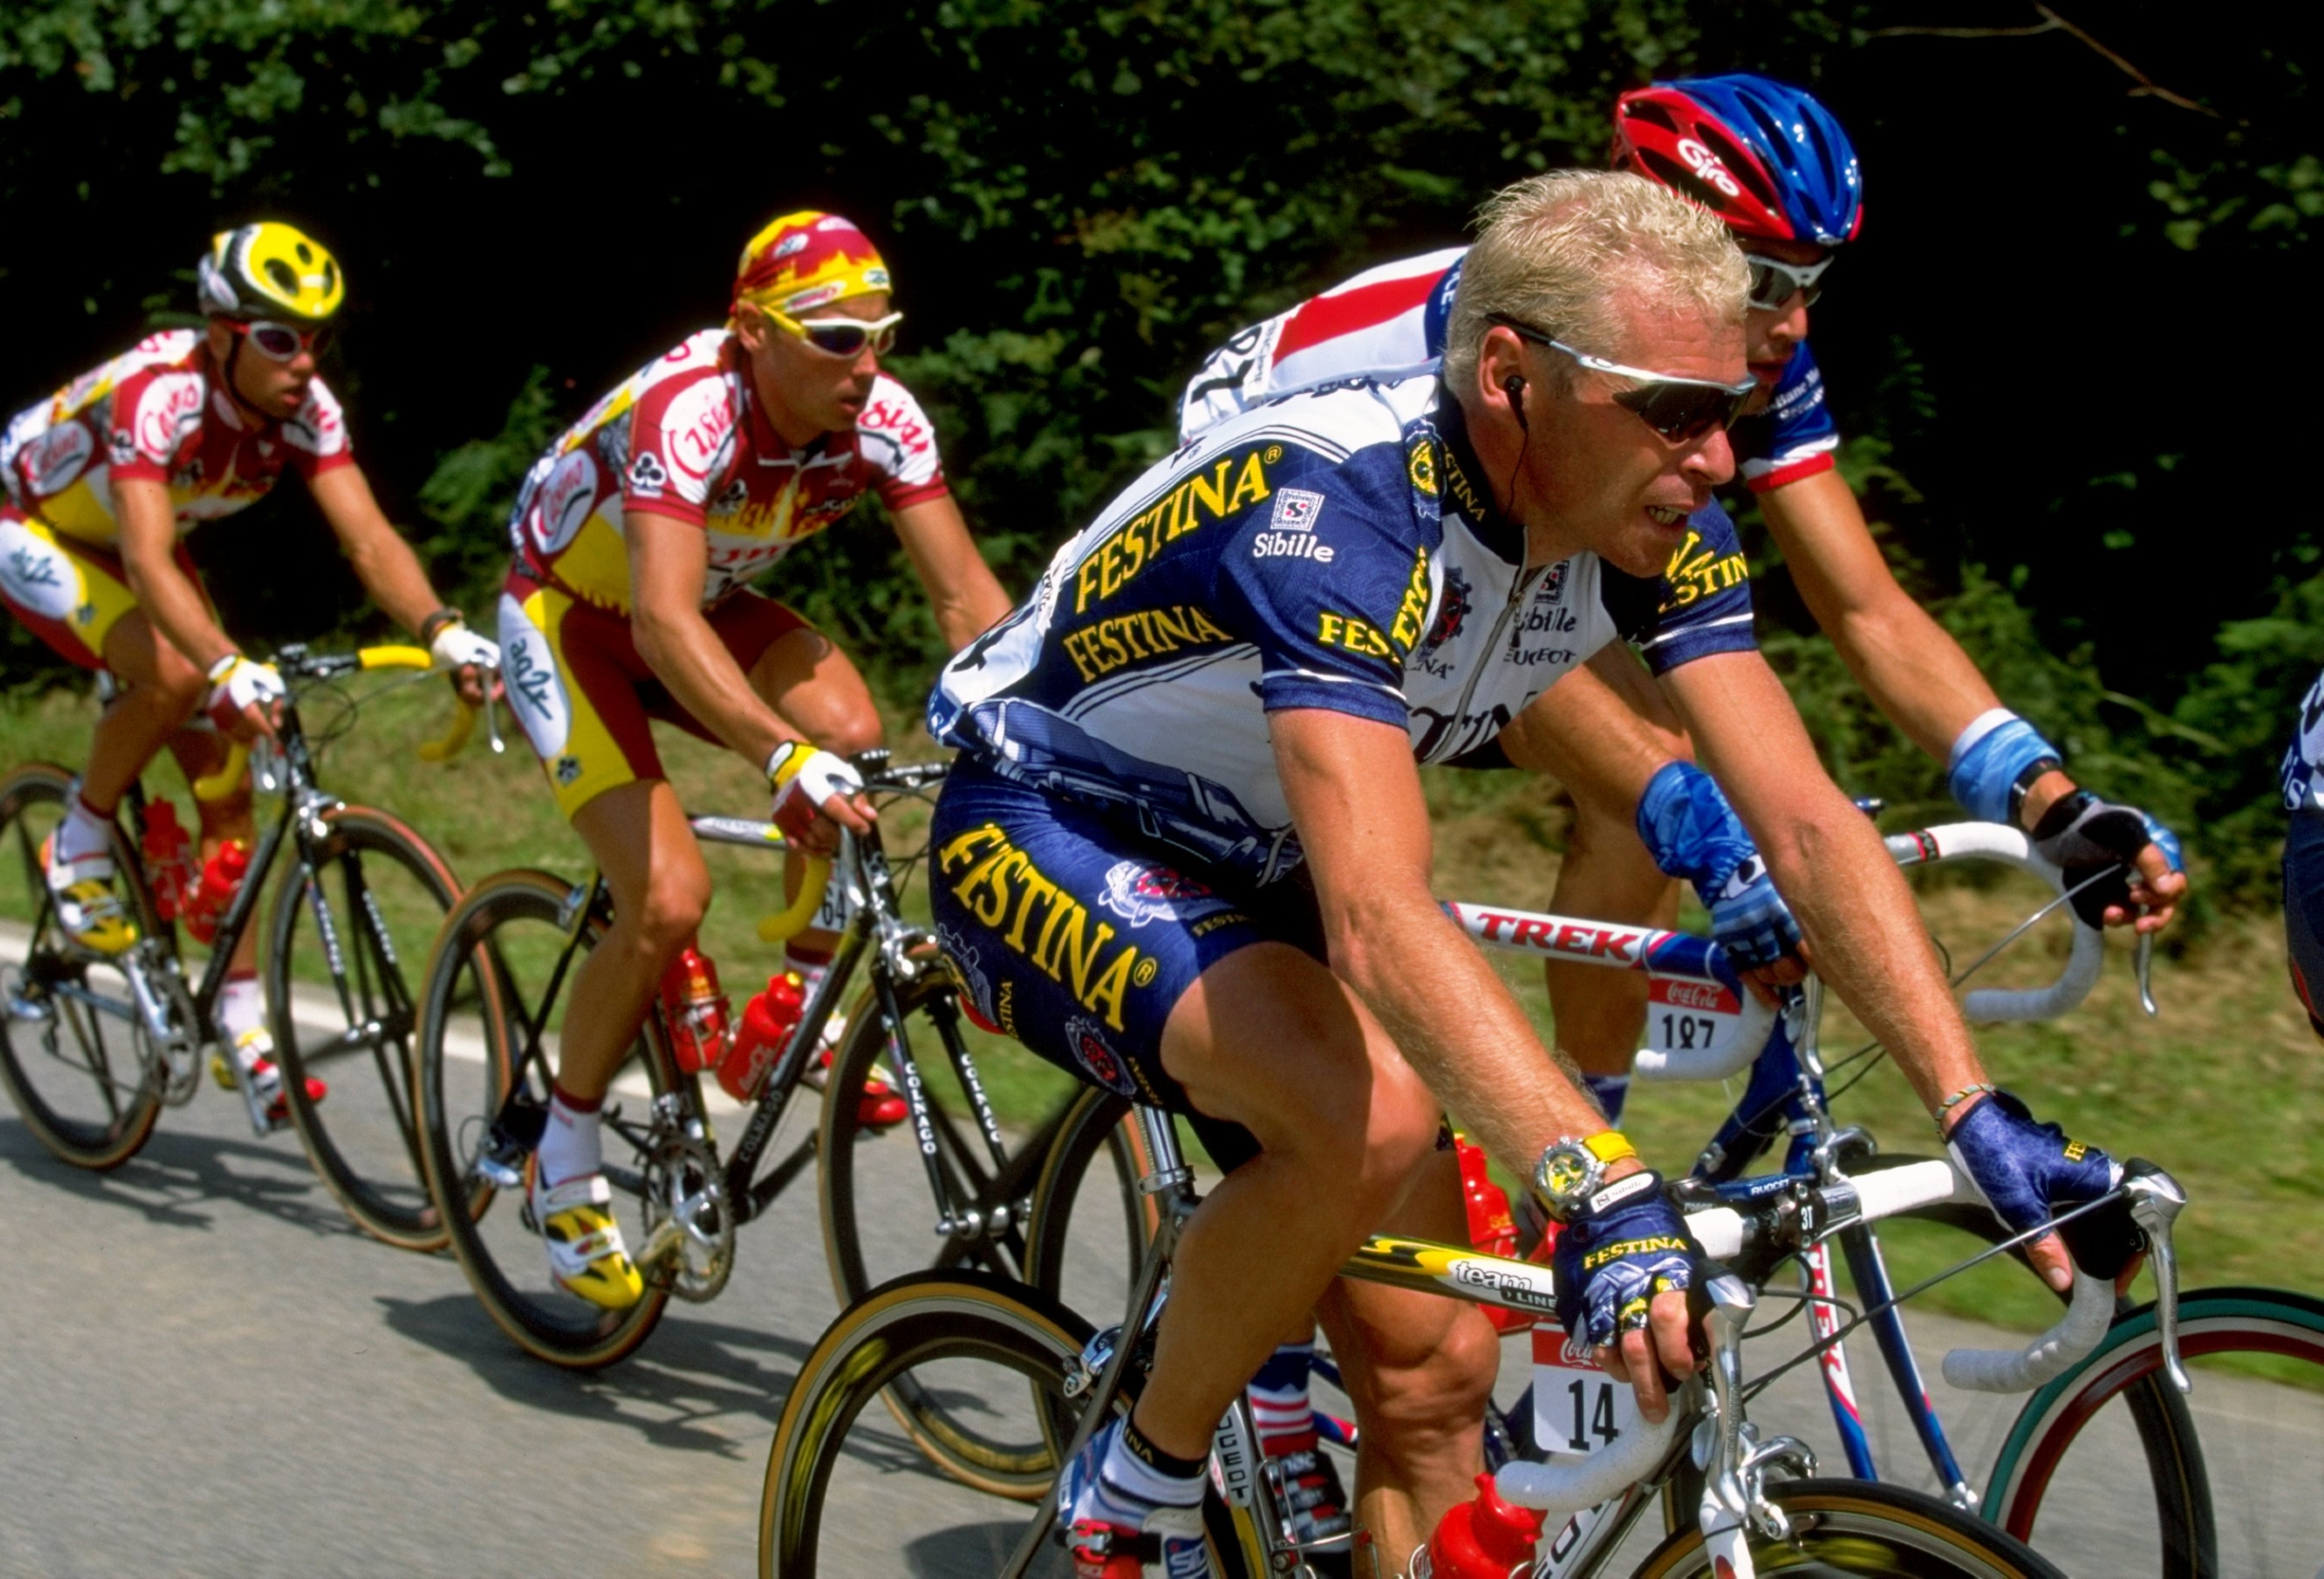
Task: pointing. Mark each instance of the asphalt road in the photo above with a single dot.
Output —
(206, 1370)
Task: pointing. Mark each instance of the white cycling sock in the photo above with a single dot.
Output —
(84, 834)
(242, 1009)
(571, 1147)
(1128, 1477)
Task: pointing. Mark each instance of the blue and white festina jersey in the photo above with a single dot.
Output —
(2304, 783)
(1389, 323)
(1335, 550)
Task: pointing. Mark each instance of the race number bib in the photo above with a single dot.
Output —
(1577, 1407)
(1697, 1017)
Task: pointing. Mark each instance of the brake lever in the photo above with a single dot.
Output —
(2143, 962)
(2155, 1202)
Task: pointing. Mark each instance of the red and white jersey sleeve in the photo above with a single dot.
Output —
(682, 439)
(899, 443)
(316, 434)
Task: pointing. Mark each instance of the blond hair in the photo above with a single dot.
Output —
(1563, 251)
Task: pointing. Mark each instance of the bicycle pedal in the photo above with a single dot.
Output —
(499, 1175)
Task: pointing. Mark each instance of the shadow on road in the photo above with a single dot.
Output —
(177, 1173)
(689, 1373)
(967, 1551)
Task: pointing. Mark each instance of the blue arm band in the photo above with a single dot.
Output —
(1689, 830)
(1989, 759)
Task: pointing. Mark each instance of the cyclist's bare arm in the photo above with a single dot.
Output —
(669, 562)
(382, 561)
(148, 541)
(1851, 900)
(381, 557)
(1354, 795)
(1599, 734)
(1915, 672)
(961, 587)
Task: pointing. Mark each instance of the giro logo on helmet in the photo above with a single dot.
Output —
(1706, 164)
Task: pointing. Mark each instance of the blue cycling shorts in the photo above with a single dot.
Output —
(1078, 938)
(2303, 911)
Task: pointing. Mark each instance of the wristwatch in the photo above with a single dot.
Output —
(1573, 1167)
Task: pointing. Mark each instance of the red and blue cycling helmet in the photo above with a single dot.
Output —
(1763, 156)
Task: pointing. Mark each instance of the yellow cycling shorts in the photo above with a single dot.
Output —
(577, 684)
(69, 592)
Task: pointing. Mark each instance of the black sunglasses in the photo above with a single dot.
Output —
(1681, 409)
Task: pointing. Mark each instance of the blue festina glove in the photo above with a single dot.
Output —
(1616, 1251)
(2082, 836)
(1692, 833)
(2031, 1171)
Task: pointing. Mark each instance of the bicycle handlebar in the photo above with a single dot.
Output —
(1994, 841)
(1810, 1213)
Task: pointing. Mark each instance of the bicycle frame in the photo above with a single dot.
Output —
(300, 824)
(986, 1208)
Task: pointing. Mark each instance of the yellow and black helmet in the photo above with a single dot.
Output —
(269, 271)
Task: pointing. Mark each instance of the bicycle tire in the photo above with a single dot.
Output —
(474, 992)
(65, 1072)
(917, 1320)
(1098, 1122)
(1867, 1528)
(2211, 1321)
(363, 1143)
(848, 1150)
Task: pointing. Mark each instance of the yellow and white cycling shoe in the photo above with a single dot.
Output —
(88, 911)
(250, 1049)
(587, 1255)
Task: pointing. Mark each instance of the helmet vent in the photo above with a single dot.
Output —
(1647, 110)
(1739, 164)
(285, 278)
(1679, 179)
(330, 276)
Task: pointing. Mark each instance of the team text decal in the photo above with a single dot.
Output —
(1003, 886)
(1133, 546)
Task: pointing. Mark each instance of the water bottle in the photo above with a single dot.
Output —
(211, 893)
(768, 1021)
(169, 866)
(694, 1010)
(1491, 1228)
(1487, 1539)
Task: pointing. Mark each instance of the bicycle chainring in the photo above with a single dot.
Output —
(689, 1231)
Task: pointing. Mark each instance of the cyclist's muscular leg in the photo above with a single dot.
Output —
(819, 693)
(1609, 875)
(1419, 1370)
(160, 690)
(638, 833)
(1269, 1039)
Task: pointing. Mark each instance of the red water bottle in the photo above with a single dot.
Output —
(169, 867)
(694, 1009)
(211, 894)
(768, 1021)
(1491, 1228)
(1484, 1540)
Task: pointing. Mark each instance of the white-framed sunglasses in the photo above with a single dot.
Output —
(281, 342)
(843, 337)
(1774, 281)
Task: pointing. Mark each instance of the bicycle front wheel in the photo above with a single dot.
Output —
(347, 939)
(74, 1055)
(843, 1483)
(2242, 1493)
(1865, 1530)
(488, 1020)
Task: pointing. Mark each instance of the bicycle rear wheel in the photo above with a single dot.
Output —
(1864, 1528)
(74, 1055)
(843, 1483)
(2242, 1493)
(345, 947)
(493, 982)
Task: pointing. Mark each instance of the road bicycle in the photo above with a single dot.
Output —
(1757, 1505)
(96, 1047)
(1701, 1027)
(490, 1009)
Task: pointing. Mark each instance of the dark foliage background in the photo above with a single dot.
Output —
(2066, 350)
